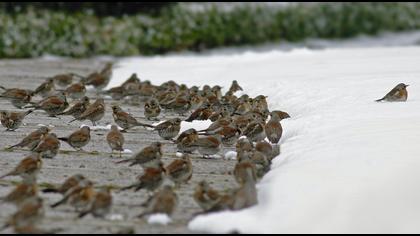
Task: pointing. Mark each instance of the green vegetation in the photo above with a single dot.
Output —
(32, 33)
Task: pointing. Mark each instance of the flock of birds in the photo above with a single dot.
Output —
(243, 122)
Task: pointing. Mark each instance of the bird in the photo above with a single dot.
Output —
(259, 103)
(261, 162)
(196, 101)
(99, 80)
(163, 201)
(27, 169)
(146, 157)
(229, 134)
(49, 146)
(202, 113)
(235, 87)
(185, 141)
(125, 120)
(63, 80)
(180, 104)
(273, 129)
(78, 108)
(78, 139)
(115, 140)
(267, 149)
(29, 214)
(32, 140)
(100, 205)
(169, 129)
(18, 97)
(76, 91)
(45, 89)
(152, 109)
(245, 196)
(13, 120)
(255, 131)
(52, 105)
(180, 170)
(94, 112)
(243, 144)
(151, 179)
(243, 170)
(21, 193)
(208, 145)
(397, 94)
(79, 196)
(68, 184)
(116, 93)
(205, 196)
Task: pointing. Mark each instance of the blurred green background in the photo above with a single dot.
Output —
(33, 29)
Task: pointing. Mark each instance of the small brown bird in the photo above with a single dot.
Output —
(49, 146)
(21, 193)
(152, 109)
(68, 184)
(180, 170)
(245, 196)
(255, 132)
(235, 87)
(209, 145)
(101, 204)
(45, 89)
(273, 129)
(185, 141)
(117, 93)
(27, 169)
(164, 201)
(78, 108)
(52, 105)
(76, 91)
(125, 120)
(169, 129)
(99, 80)
(32, 140)
(228, 133)
(151, 179)
(267, 149)
(18, 97)
(13, 120)
(78, 139)
(196, 101)
(259, 103)
(147, 157)
(29, 214)
(79, 196)
(94, 112)
(243, 144)
(205, 196)
(115, 140)
(243, 170)
(202, 113)
(397, 94)
(63, 80)
(261, 162)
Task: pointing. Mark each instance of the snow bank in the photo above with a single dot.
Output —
(348, 164)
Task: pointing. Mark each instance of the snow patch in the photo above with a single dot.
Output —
(160, 219)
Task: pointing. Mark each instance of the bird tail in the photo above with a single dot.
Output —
(29, 112)
(127, 187)
(123, 161)
(1, 87)
(144, 125)
(72, 120)
(65, 139)
(83, 214)
(380, 100)
(50, 190)
(59, 203)
(4, 176)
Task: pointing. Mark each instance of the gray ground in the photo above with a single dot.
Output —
(96, 163)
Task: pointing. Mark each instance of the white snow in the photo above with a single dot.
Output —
(161, 219)
(348, 164)
(231, 155)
